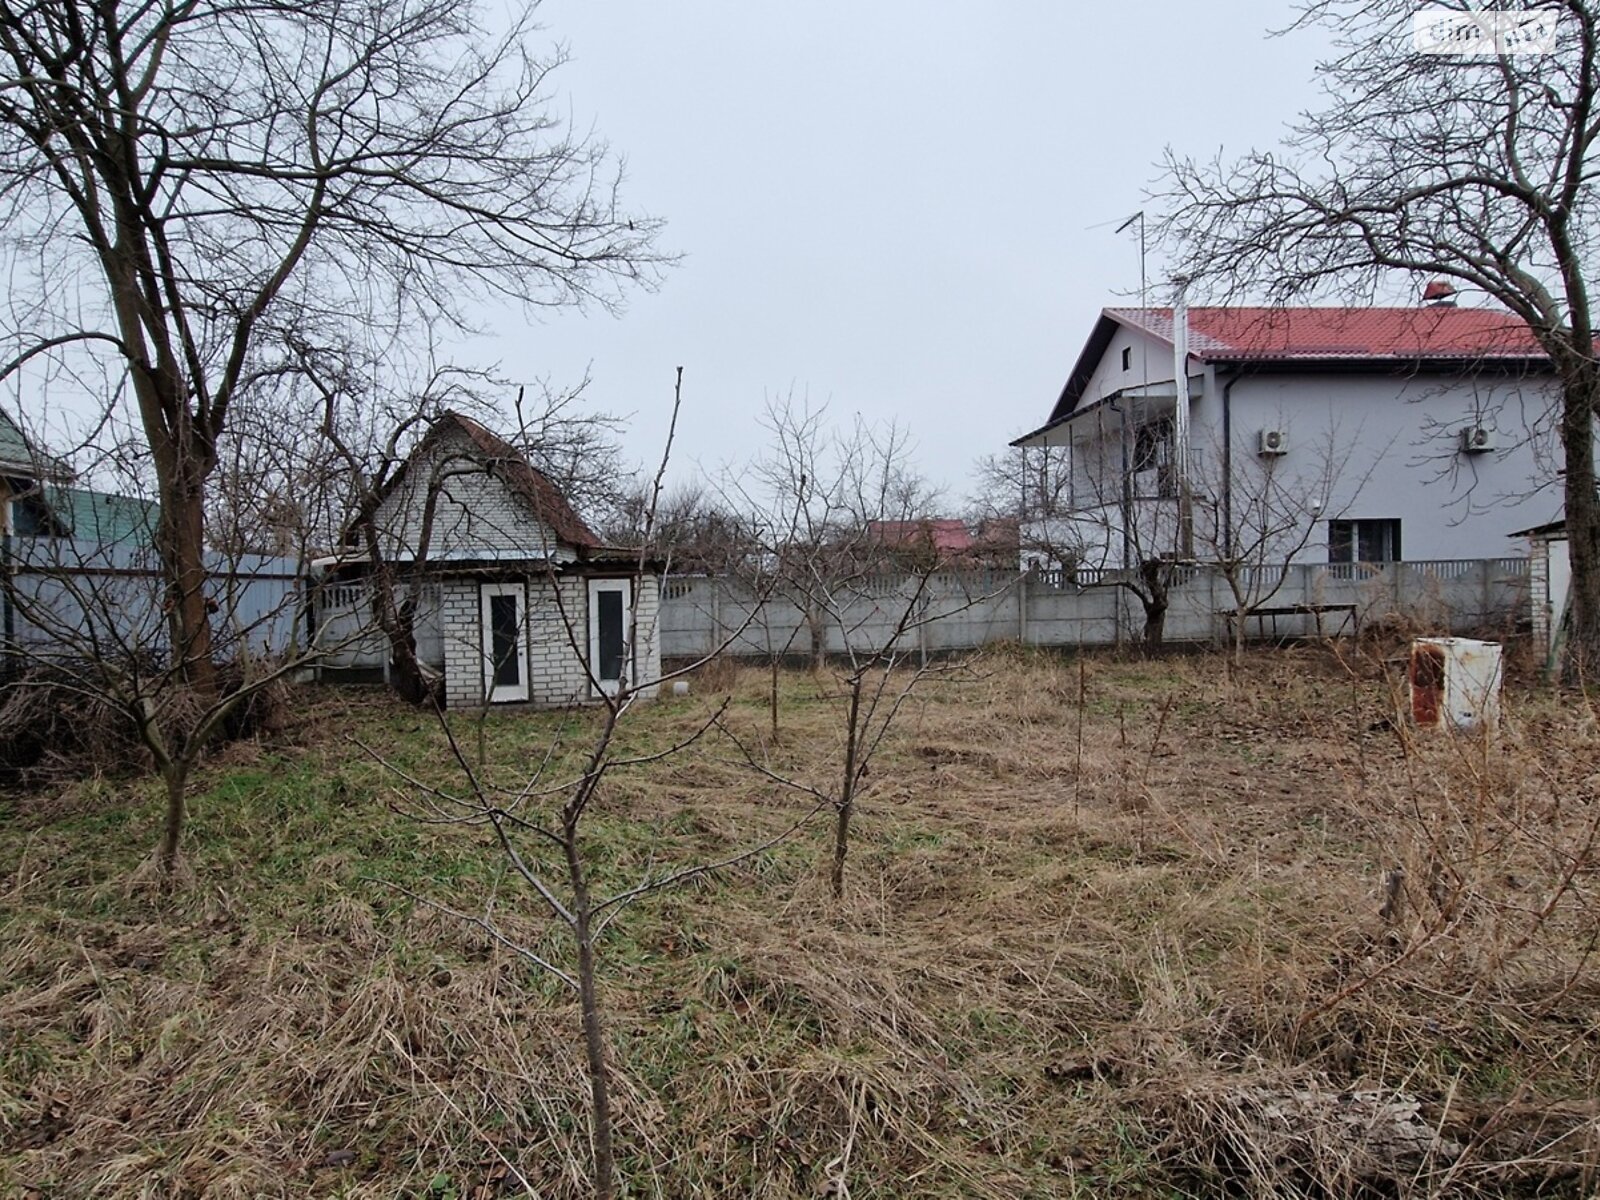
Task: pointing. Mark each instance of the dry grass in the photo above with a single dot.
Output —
(1155, 966)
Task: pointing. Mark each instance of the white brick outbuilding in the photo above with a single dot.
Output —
(517, 602)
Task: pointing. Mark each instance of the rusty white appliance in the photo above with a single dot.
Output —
(1455, 683)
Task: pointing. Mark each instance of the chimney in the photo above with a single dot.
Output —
(1439, 293)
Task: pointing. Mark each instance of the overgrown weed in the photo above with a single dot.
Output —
(1153, 962)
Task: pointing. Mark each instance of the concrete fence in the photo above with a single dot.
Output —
(1054, 608)
(62, 596)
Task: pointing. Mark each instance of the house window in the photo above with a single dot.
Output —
(1368, 541)
(1127, 358)
(1152, 451)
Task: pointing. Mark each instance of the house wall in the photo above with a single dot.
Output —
(1152, 363)
(1550, 574)
(557, 673)
(475, 511)
(1360, 446)
(1378, 447)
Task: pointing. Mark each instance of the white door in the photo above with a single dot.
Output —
(610, 621)
(1559, 582)
(505, 642)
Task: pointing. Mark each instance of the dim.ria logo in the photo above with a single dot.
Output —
(1472, 33)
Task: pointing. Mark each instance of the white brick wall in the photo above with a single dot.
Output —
(460, 629)
(475, 510)
(647, 655)
(1539, 590)
(557, 672)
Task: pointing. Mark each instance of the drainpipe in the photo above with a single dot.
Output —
(1227, 463)
(1180, 414)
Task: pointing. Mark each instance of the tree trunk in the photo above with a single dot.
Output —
(594, 1045)
(773, 698)
(405, 671)
(819, 642)
(1155, 623)
(1581, 394)
(1153, 573)
(847, 793)
(180, 538)
(841, 846)
(177, 781)
(594, 1033)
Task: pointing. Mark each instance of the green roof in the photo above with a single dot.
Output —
(14, 448)
(18, 456)
(103, 518)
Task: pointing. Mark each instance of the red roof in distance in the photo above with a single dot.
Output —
(1432, 331)
(943, 536)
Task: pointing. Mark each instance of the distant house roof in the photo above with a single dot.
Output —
(18, 456)
(1379, 338)
(944, 536)
(503, 460)
(104, 518)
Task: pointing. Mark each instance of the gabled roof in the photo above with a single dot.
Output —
(508, 464)
(1374, 338)
(942, 535)
(103, 517)
(1405, 334)
(18, 456)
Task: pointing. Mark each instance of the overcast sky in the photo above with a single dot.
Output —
(904, 209)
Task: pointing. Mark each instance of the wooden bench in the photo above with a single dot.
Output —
(1347, 613)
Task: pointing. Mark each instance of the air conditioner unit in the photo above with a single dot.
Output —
(1272, 441)
(1475, 439)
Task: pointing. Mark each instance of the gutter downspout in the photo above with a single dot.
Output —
(1227, 463)
(1180, 415)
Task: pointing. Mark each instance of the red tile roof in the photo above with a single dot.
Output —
(1433, 331)
(943, 536)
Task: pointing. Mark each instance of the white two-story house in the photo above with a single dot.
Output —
(1332, 434)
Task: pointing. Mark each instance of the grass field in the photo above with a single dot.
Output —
(1109, 929)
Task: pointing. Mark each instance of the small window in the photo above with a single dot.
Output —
(1366, 541)
(1127, 358)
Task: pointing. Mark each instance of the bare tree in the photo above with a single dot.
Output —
(821, 499)
(1028, 485)
(694, 532)
(864, 600)
(1478, 169)
(540, 825)
(1108, 510)
(1272, 515)
(187, 183)
(85, 614)
(882, 663)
